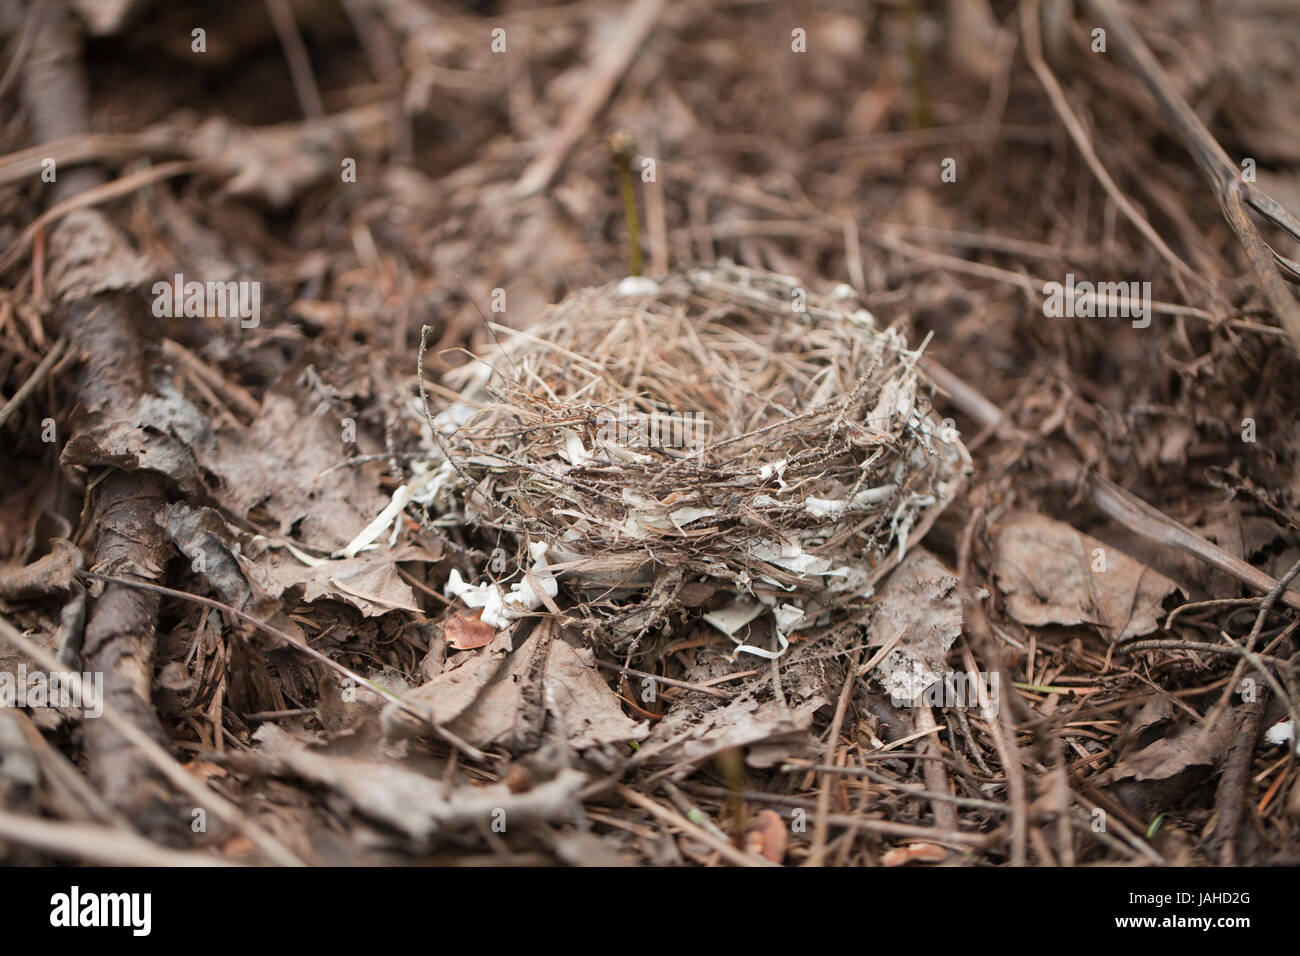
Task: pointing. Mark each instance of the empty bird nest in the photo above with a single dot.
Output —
(719, 443)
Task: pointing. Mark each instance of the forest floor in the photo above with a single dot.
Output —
(186, 481)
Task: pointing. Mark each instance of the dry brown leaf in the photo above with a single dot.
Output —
(770, 732)
(287, 463)
(920, 598)
(914, 853)
(766, 836)
(486, 699)
(1052, 574)
(590, 713)
(1162, 774)
(467, 633)
(453, 691)
(369, 582)
(1192, 745)
(253, 580)
(411, 802)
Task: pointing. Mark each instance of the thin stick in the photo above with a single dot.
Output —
(24, 45)
(671, 682)
(33, 380)
(623, 151)
(418, 713)
(597, 87)
(1224, 176)
(1115, 502)
(89, 841)
(60, 770)
(160, 758)
(93, 197)
(1004, 740)
(234, 394)
(936, 776)
(886, 827)
(673, 818)
(1034, 51)
(817, 856)
(295, 54)
(911, 790)
(1230, 650)
(25, 163)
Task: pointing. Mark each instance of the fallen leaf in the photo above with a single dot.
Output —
(369, 582)
(467, 633)
(914, 853)
(56, 571)
(919, 598)
(251, 576)
(766, 836)
(772, 733)
(212, 548)
(486, 700)
(452, 692)
(575, 696)
(285, 462)
(419, 806)
(1052, 574)
(1163, 773)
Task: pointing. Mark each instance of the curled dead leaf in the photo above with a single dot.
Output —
(914, 853)
(467, 633)
(766, 836)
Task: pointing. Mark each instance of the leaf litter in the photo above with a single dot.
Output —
(558, 606)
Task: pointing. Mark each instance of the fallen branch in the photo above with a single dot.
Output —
(199, 791)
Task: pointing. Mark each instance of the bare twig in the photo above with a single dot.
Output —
(659, 679)
(998, 719)
(817, 856)
(116, 189)
(164, 762)
(673, 818)
(597, 87)
(1033, 49)
(1233, 193)
(417, 712)
(99, 844)
(23, 46)
(295, 54)
(33, 381)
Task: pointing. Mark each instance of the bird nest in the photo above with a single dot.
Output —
(720, 429)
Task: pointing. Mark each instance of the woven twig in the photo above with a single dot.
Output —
(728, 426)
